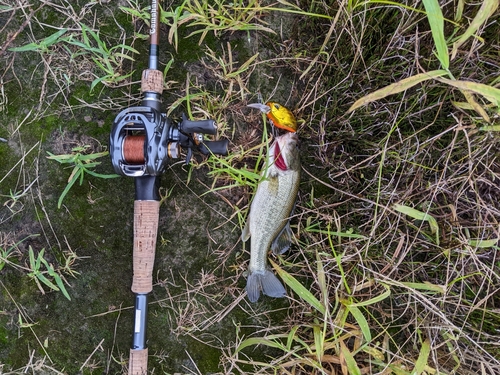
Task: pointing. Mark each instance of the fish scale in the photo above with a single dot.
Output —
(271, 207)
(268, 221)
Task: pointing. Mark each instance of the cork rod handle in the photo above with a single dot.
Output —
(146, 215)
(138, 364)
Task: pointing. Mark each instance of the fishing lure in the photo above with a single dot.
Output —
(280, 116)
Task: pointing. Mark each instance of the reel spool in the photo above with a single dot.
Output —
(143, 139)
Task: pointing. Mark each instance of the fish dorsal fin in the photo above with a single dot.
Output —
(283, 240)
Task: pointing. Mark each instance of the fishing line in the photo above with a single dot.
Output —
(134, 149)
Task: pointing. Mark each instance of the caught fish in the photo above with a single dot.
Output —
(281, 116)
(268, 222)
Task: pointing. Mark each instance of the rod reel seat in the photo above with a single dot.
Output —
(143, 139)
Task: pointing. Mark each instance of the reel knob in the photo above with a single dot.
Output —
(174, 150)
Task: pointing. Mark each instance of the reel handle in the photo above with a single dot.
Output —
(203, 126)
(214, 147)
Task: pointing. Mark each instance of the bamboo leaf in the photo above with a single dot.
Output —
(436, 21)
(488, 7)
(299, 289)
(396, 87)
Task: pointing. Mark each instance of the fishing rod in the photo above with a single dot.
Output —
(142, 140)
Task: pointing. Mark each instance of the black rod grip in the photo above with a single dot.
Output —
(147, 188)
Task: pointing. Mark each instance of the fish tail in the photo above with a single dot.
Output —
(266, 282)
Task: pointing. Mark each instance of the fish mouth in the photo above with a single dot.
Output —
(279, 160)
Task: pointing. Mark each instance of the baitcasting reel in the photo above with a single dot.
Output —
(143, 139)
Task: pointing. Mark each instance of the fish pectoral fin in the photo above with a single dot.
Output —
(245, 233)
(274, 184)
(283, 240)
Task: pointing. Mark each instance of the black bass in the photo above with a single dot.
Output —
(268, 221)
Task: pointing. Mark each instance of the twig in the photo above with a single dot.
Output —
(14, 36)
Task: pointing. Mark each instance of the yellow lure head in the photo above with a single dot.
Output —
(281, 117)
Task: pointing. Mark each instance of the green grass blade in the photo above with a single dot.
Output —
(258, 341)
(47, 282)
(100, 175)
(362, 4)
(423, 357)
(26, 48)
(492, 94)
(71, 182)
(61, 286)
(54, 38)
(352, 366)
(475, 105)
(47, 42)
(419, 215)
(373, 300)
(459, 12)
(396, 87)
(39, 259)
(436, 21)
(488, 7)
(32, 258)
(299, 289)
(362, 322)
(483, 244)
(291, 337)
(492, 128)
(311, 229)
(426, 286)
(319, 341)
